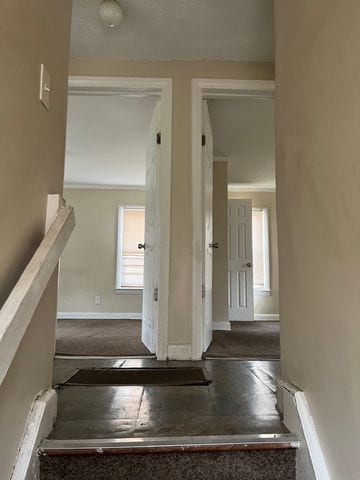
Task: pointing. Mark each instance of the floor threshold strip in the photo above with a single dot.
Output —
(115, 446)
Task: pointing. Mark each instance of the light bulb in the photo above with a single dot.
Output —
(110, 13)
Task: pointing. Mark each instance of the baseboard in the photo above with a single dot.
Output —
(221, 326)
(179, 352)
(40, 423)
(298, 419)
(99, 316)
(267, 317)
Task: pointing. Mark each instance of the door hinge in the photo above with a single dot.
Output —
(156, 294)
(202, 291)
(158, 138)
(203, 140)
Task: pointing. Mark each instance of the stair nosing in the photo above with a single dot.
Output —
(168, 444)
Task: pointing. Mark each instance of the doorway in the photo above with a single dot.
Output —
(122, 197)
(238, 220)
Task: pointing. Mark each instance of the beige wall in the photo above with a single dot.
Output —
(268, 304)
(32, 161)
(220, 235)
(318, 175)
(88, 264)
(180, 307)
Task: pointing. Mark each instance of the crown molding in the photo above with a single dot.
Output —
(241, 187)
(221, 159)
(98, 186)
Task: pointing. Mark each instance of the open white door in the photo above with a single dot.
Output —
(241, 296)
(207, 168)
(151, 243)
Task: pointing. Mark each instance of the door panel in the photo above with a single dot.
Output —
(151, 250)
(241, 299)
(207, 165)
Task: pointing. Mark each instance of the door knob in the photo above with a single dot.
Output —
(213, 245)
(141, 245)
(249, 264)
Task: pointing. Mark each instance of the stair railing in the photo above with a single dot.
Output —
(20, 306)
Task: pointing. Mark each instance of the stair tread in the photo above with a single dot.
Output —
(270, 464)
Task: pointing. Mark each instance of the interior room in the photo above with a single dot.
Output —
(102, 269)
(247, 325)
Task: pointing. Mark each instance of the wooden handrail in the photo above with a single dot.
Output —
(19, 308)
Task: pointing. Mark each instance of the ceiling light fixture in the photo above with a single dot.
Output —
(110, 13)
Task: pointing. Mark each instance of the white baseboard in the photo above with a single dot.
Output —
(40, 423)
(179, 352)
(267, 317)
(99, 315)
(298, 419)
(221, 326)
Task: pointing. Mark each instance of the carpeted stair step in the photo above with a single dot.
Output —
(261, 457)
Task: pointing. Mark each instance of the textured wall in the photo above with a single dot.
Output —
(32, 162)
(318, 177)
(180, 306)
(88, 264)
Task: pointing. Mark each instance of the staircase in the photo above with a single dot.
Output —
(251, 457)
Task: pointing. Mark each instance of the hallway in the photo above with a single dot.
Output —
(240, 400)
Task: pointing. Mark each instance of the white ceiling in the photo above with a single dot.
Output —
(177, 30)
(106, 140)
(244, 132)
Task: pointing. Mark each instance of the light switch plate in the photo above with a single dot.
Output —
(44, 87)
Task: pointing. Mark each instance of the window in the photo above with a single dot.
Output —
(261, 260)
(130, 260)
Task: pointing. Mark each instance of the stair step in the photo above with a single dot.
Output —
(241, 457)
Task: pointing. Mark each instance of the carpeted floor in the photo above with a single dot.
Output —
(246, 340)
(123, 338)
(115, 338)
(276, 464)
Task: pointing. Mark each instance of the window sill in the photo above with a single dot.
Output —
(128, 291)
(262, 292)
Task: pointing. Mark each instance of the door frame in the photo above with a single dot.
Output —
(161, 88)
(206, 89)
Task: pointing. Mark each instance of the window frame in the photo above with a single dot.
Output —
(265, 289)
(119, 289)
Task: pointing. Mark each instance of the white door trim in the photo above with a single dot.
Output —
(209, 88)
(161, 87)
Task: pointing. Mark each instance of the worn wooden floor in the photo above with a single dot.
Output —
(240, 400)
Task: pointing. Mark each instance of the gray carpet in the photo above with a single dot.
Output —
(240, 465)
(246, 340)
(115, 338)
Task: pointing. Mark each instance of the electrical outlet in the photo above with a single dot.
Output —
(97, 300)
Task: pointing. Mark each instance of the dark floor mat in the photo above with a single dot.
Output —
(139, 376)
(259, 340)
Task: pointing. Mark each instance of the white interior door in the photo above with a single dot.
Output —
(151, 247)
(241, 296)
(207, 168)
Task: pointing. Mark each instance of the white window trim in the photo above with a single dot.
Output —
(264, 290)
(118, 288)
